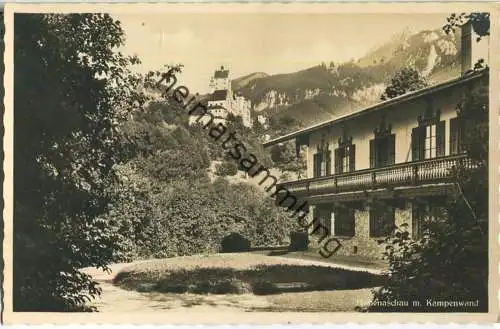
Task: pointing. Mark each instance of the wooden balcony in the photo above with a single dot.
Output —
(417, 173)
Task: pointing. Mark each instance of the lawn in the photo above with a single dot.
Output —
(278, 284)
(351, 261)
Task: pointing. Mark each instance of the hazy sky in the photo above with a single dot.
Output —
(248, 42)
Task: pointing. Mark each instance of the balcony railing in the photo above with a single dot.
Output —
(437, 170)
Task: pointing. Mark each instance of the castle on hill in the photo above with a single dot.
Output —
(222, 100)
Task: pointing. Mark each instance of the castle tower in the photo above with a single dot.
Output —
(221, 80)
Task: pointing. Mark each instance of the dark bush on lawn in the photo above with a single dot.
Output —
(235, 242)
(299, 241)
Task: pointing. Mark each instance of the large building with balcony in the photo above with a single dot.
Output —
(387, 165)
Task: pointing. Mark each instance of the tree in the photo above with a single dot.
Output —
(285, 158)
(480, 23)
(72, 89)
(450, 261)
(406, 80)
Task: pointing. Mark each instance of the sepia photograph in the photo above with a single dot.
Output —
(234, 161)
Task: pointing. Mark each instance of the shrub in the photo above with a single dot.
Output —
(299, 241)
(227, 168)
(167, 219)
(235, 242)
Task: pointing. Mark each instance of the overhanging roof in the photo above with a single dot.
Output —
(385, 104)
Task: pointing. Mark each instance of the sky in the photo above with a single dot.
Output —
(265, 42)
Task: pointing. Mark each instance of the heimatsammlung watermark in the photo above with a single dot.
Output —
(246, 160)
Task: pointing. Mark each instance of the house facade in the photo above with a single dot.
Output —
(384, 166)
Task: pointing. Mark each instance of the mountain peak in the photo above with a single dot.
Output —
(321, 92)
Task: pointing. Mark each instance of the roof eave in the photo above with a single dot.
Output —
(391, 102)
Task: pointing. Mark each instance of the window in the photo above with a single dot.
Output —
(427, 141)
(382, 221)
(456, 136)
(345, 159)
(322, 164)
(343, 223)
(422, 213)
(382, 151)
(430, 142)
(345, 156)
(322, 221)
(322, 161)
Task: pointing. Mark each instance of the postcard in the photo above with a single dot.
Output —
(251, 163)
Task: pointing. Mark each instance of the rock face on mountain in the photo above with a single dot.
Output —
(328, 90)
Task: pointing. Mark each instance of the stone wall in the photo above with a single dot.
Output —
(361, 244)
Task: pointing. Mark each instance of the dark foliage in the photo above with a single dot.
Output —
(235, 242)
(284, 156)
(299, 241)
(227, 168)
(406, 80)
(168, 205)
(480, 23)
(71, 91)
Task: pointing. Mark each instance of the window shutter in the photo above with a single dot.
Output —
(297, 147)
(440, 138)
(391, 148)
(344, 222)
(328, 160)
(373, 160)
(317, 165)
(352, 158)
(461, 135)
(460, 124)
(389, 220)
(416, 144)
(454, 136)
(315, 160)
(338, 159)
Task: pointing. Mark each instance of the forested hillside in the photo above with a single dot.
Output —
(171, 200)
